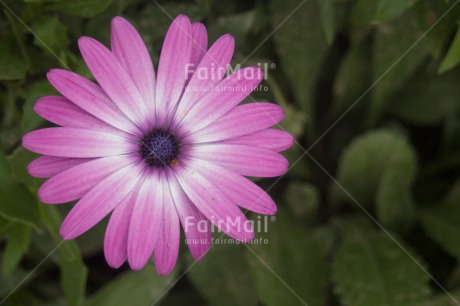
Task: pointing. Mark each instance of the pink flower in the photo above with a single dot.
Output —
(154, 152)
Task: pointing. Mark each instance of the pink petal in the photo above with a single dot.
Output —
(116, 235)
(272, 139)
(47, 166)
(199, 43)
(91, 98)
(131, 52)
(172, 73)
(61, 111)
(217, 206)
(146, 221)
(196, 227)
(100, 201)
(222, 98)
(167, 247)
(75, 182)
(245, 160)
(114, 79)
(210, 71)
(74, 142)
(242, 120)
(242, 191)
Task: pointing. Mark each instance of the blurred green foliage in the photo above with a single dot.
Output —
(369, 212)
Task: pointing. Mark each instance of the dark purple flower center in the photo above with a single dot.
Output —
(159, 148)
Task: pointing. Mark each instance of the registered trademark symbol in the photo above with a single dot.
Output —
(272, 66)
(272, 218)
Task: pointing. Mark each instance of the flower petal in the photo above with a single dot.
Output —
(172, 73)
(221, 99)
(114, 79)
(214, 204)
(167, 247)
(272, 139)
(47, 166)
(146, 220)
(91, 98)
(75, 182)
(116, 235)
(242, 120)
(209, 72)
(245, 160)
(242, 191)
(74, 142)
(100, 201)
(196, 227)
(131, 52)
(199, 43)
(61, 111)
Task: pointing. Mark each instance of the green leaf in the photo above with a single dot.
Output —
(442, 221)
(134, 288)
(394, 204)
(452, 57)
(30, 120)
(371, 269)
(91, 245)
(392, 70)
(288, 259)
(37, 1)
(295, 119)
(429, 13)
(328, 238)
(102, 33)
(300, 46)
(51, 35)
(17, 204)
(41, 62)
(13, 65)
(8, 283)
(363, 12)
(16, 246)
(13, 58)
(446, 300)
(19, 160)
(152, 23)
(302, 199)
(389, 9)
(299, 166)
(186, 295)
(83, 8)
(365, 161)
(453, 196)
(355, 66)
(415, 101)
(327, 19)
(223, 277)
(73, 273)
(348, 224)
(73, 270)
(239, 25)
(4, 225)
(442, 224)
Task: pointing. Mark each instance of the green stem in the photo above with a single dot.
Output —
(10, 107)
